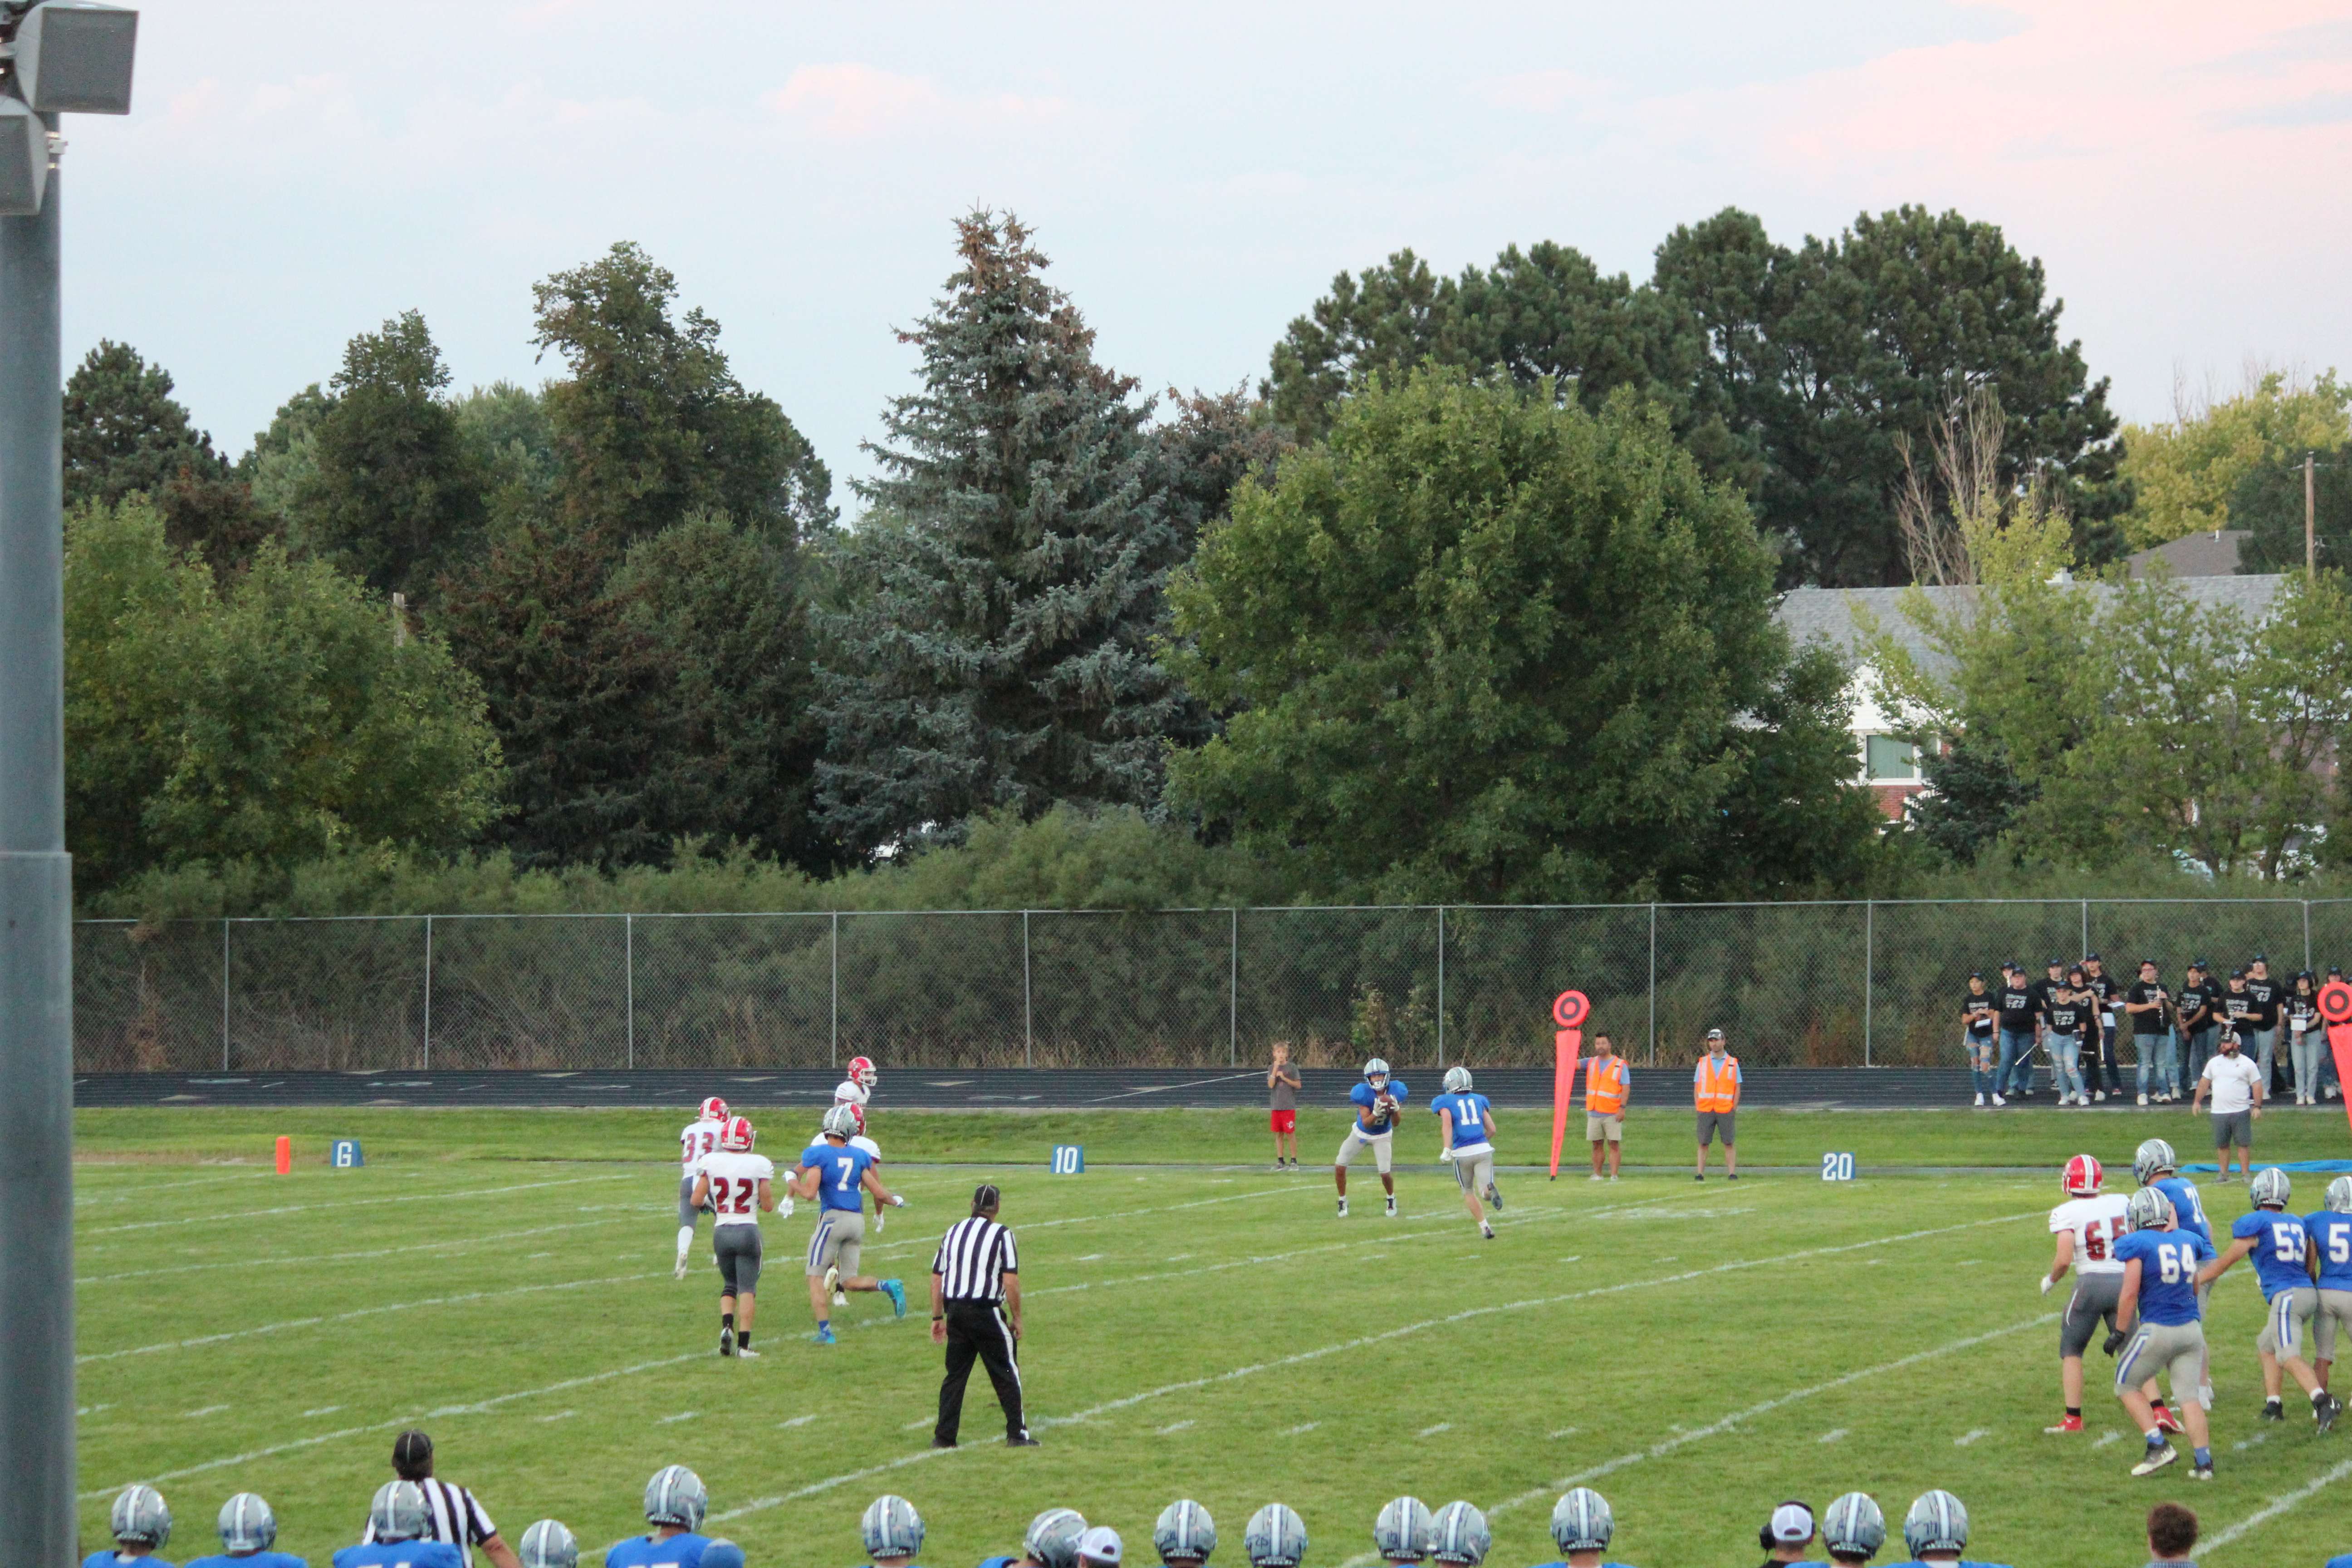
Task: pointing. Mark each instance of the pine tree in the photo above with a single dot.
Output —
(124, 431)
(1008, 580)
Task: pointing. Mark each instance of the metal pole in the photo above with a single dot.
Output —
(427, 1063)
(629, 983)
(2307, 933)
(225, 995)
(2310, 537)
(1028, 1036)
(1653, 985)
(1869, 970)
(2083, 951)
(1441, 986)
(1233, 992)
(834, 1055)
(37, 1516)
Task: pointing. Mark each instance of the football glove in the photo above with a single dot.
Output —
(2115, 1338)
(897, 1200)
(1446, 1155)
(784, 1206)
(2046, 1283)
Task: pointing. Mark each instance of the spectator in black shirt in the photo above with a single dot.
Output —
(2238, 1014)
(2307, 1037)
(2152, 1036)
(2200, 1005)
(2067, 1015)
(2017, 1009)
(1975, 1036)
(2107, 992)
(2269, 995)
(2043, 990)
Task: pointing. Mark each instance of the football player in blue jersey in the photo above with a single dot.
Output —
(1400, 1530)
(1276, 1537)
(1051, 1542)
(550, 1543)
(2330, 1230)
(397, 1521)
(722, 1553)
(2160, 1261)
(248, 1532)
(1853, 1530)
(141, 1524)
(1466, 1124)
(892, 1531)
(1936, 1531)
(1379, 1101)
(676, 1501)
(1184, 1534)
(2280, 1249)
(839, 1175)
(1581, 1524)
(2154, 1164)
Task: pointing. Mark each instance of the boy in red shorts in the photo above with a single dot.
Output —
(1282, 1090)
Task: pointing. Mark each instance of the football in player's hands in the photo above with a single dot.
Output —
(2114, 1341)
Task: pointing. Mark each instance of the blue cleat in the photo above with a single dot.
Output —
(825, 1336)
(897, 1291)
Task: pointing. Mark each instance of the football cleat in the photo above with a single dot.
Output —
(1485, 1230)
(2201, 1473)
(680, 1272)
(2083, 1177)
(1391, 1207)
(140, 1518)
(1343, 1208)
(825, 1336)
(2070, 1424)
(713, 1110)
(1495, 1196)
(897, 1291)
(2327, 1412)
(2157, 1458)
(746, 1352)
(2166, 1421)
(2272, 1410)
(891, 1527)
(726, 1341)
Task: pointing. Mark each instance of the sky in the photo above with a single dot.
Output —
(295, 172)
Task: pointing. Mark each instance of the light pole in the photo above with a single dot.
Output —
(61, 56)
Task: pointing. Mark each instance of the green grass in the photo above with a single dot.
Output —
(1717, 1348)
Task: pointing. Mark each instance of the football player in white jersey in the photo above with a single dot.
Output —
(701, 1138)
(2087, 1226)
(739, 1186)
(854, 1092)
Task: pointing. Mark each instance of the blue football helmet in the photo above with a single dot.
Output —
(891, 1527)
(1581, 1521)
(1185, 1534)
(140, 1518)
(1937, 1522)
(677, 1496)
(1402, 1530)
(1461, 1536)
(1276, 1537)
(548, 1545)
(246, 1524)
(1052, 1537)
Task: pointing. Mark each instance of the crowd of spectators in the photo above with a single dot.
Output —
(2080, 1028)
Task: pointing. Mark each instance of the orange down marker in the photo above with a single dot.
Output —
(2336, 1006)
(1569, 1010)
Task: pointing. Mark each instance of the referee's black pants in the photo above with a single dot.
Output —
(978, 1328)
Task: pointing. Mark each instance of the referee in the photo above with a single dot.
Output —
(976, 1311)
(451, 1512)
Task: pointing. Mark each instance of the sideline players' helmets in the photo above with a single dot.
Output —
(140, 1517)
(1402, 1530)
(1185, 1532)
(548, 1545)
(1052, 1537)
(2339, 1195)
(2085, 1176)
(1581, 1521)
(862, 1072)
(1457, 1080)
(2149, 1209)
(246, 1524)
(1377, 1067)
(2153, 1159)
(737, 1135)
(891, 1527)
(2269, 1187)
(1936, 1522)
(1101, 1543)
(839, 1123)
(1853, 1526)
(722, 1553)
(714, 1110)
(398, 1512)
(677, 1496)
(1276, 1538)
(1461, 1536)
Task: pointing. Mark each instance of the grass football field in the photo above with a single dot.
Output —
(1198, 1326)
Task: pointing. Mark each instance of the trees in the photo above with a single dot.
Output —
(124, 432)
(2183, 474)
(2268, 502)
(1482, 646)
(997, 653)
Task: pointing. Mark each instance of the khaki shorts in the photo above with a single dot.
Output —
(1711, 1123)
(2334, 1310)
(1607, 1127)
(2285, 1324)
(833, 1244)
(2175, 1348)
(1473, 1168)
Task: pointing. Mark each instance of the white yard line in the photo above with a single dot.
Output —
(356, 1203)
(2283, 1503)
(306, 1260)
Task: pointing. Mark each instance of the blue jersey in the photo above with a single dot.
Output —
(1469, 1118)
(2187, 1205)
(998, 1561)
(259, 1560)
(1366, 1121)
(109, 1560)
(400, 1554)
(644, 1552)
(840, 1173)
(2331, 1239)
(2282, 1250)
(2169, 1261)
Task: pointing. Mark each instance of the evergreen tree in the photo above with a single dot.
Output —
(1009, 586)
(124, 431)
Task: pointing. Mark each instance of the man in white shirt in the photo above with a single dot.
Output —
(2237, 1086)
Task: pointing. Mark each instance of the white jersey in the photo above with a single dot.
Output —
(849, 1091)
(698, 1140)
(873, 1150)
(735, 1181)
(2098, 1223)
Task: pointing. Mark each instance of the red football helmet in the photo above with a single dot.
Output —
(714, 1110)
(858, 1114)
(737, 1135)
(862, 1072)
(2085, 1176)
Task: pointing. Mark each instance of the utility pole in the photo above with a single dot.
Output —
(2310, 516)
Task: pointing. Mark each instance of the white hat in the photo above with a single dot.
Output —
(1099, 1544)
(1793, 1523)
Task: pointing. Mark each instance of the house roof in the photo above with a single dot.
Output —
(2213, 553)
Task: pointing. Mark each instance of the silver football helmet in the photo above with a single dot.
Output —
(677, 1496)
(1460, 1535)
(1184, 1533)
(1276, 1536)
(246, 1524)
(841, 1122)
(140, 1518)
(398, 1512)
(2149, 1209)
(1457, 1080)
(2153, 1159)
(1581, 1521)
(2270, 1185)
(1052, 1537)
(1402, 1530)
(891, 1527)
(2339, 1195)
(1853, 1526)
(1937, 1522)
(548, 1545)
(723, 1553)
(1377, 1066)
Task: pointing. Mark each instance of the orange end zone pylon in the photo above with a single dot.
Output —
(1569, 1010)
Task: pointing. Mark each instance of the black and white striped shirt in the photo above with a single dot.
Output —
(452, 1514)
(972, 1259)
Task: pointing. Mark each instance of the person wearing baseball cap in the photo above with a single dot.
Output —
(2018, 1007)
(1715, 1089)
(2198, 1009)
(1787, 1533)
(1099, 1547)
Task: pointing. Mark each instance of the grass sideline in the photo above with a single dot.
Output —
(1655, 1137)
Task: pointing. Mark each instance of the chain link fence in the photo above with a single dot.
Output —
(1818, 985)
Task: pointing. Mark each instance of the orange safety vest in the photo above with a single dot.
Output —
(1717, 1089)
(1605, 1086)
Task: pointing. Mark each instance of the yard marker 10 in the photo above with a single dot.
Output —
(1569, 1010)
(2335, 1007)
(1070, 1160)
(284, 1156)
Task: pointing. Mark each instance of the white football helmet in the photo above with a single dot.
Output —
(1052, 1537)
(891, 1527)
(548, 1545)
(2153, 1159)
(1460, 1536)
(399, 1512)
(2270, 1186)
(1853, 1526)
(246, 1524)
(2339, 1195)
(2149, 1209)
(677, 1496)
(841, 1122)
(1185, 1535)
(1581, 1521)
(1377, 1067)
(1457, 1080)
(140, 1518)
(1276, 1536)
(1401, 1532)
(1936, 1522)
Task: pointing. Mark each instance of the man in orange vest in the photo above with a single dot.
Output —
(1715, 1090)
(1607, 1085)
